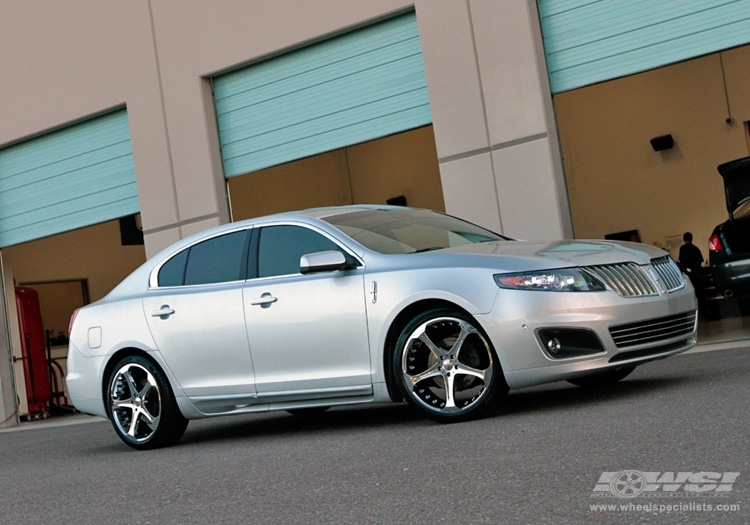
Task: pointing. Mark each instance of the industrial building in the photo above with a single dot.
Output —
(127, 125)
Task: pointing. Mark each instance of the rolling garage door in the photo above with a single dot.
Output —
(589, 41)
(355, 87)
(68, 179)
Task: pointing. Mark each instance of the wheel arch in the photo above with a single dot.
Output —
(395, 329)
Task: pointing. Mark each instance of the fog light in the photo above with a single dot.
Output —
(560, 343)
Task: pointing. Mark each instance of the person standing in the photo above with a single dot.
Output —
(691, 261)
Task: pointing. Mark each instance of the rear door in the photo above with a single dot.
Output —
(196, 318)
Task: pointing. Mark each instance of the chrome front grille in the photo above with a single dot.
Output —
(631, 280)
(627, 279)
(669, 272)
(653, 330)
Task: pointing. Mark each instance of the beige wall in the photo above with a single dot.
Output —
(494, 126)
(8, 391)
(65, 61)
(494, 134)
(486, 83)
(617, 182)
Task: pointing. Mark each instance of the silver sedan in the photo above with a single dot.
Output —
(309, 310)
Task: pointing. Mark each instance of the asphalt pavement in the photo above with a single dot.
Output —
(666, 445)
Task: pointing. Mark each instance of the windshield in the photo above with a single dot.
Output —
(408, 230)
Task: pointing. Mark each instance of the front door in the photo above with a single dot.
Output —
(307, 333)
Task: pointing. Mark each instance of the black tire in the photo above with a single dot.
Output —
(141, 405)
(602, 378)
(446, 367)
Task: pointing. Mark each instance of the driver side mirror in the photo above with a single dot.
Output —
(327, 261)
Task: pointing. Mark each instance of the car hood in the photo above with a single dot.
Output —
(529, 255)
(736, 176)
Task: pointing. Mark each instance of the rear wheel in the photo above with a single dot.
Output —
(603, 378)
(141, 405)
(446, 366)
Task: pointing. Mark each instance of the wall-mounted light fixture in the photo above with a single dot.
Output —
(662, 143)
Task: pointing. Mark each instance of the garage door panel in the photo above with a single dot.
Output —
(312, 145)
(352, 46)
(352, 88)
(587, 42)
(32, 226)
(68, 179)
(269, 127)
(255, 85)
(360, 89)
(96, 190)
(52, 173)
(72, 143)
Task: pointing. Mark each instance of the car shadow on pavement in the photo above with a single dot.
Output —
(281, 423)
(364, 418)
(562, 395)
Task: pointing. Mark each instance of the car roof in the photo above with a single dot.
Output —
(330, 211)
(308, 215)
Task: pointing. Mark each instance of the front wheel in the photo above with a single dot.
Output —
(446, 367)
(141, 405)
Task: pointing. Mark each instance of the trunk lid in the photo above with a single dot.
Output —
(736, 175)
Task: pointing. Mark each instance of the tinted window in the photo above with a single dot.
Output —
(217, 260)
(220, 259)
(408, 230)
(281, 247)
(172, 272)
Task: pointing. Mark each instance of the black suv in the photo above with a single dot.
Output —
(729, 245)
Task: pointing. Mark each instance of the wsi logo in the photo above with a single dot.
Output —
(632, 483)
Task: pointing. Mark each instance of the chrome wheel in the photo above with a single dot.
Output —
(447, 367)
(136, 402)
(141, 405)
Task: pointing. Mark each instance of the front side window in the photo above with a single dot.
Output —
(281, 247)
(216, 260)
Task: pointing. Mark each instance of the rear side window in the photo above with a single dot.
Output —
(172, 272)
(281, 248)
(217, 260)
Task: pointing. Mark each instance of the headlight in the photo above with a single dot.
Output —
(564, 280)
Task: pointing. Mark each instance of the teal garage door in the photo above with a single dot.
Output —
(355, 87)
(79, 176)
(589, 41)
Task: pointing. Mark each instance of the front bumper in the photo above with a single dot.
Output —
(629, 331)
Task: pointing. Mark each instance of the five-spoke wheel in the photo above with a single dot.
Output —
(446, 366)
(141, 405)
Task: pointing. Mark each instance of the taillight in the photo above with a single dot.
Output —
(714, 244)
(72, 320)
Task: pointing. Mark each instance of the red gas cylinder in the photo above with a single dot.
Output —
(34, 352)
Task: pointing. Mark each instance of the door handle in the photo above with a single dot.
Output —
(164, 312)
(264, 301)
